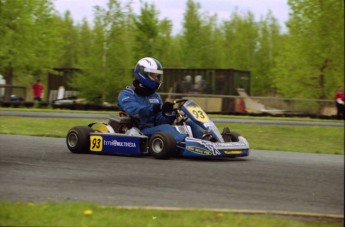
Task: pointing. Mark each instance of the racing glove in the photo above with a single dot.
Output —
(167, 107)
(156, 108)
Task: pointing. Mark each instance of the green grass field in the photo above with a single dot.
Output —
(86, 214)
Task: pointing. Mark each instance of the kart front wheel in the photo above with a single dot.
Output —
(78, 139)
(162, 145)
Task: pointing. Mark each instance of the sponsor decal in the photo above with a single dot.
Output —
(232, 144)
(154, 100)
(116, 143)
(233, 152)
(210, 125)
(205, 147)
(198, 150)
(210, 147)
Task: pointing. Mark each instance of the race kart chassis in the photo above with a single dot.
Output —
(120, 137)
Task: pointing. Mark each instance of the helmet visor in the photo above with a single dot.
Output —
(155, 77)
(148, 70)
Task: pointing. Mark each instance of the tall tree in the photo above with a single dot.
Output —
(109, 67)
(25, 37)
(85, 44)
(69, 46)
(165, 51)
(313, 57)
(152, 36)
(241, 33)
(268, 46)
(191, 35)
(147, 31)
(209, 48)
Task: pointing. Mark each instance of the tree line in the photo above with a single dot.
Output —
(306, 61)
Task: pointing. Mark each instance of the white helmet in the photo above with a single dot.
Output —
(149, 72)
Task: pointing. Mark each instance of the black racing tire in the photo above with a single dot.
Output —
(78, 139)
(230, 136)
(162, 145)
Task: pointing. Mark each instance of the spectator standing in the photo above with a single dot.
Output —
(339, 102)
(38, 89)
(201, 86)
(185, 86)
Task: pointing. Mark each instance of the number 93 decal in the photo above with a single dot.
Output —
(198, 114)
(96, 143)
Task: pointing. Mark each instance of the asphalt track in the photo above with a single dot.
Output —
(41, 169)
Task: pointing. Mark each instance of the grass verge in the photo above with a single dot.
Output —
(87, 214)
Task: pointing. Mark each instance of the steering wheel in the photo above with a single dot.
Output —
(181, 101)
(176, 112)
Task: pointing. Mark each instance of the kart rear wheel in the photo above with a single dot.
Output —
(162, 145)
(229, 136)
(78, 139)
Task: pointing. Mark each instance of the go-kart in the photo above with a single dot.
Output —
(119, 136)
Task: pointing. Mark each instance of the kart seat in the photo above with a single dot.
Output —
(120, 123)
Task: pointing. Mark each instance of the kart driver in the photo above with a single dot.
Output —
(145, 106)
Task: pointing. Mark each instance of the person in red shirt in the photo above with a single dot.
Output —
(38, 89)
(339, 102)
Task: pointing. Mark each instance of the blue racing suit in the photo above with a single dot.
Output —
(140, 108)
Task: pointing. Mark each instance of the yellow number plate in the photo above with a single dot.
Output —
(96, 143)
(198, 114)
